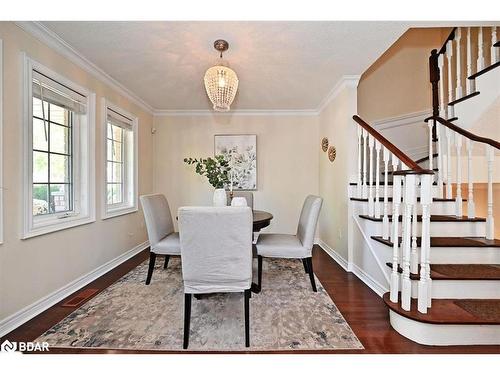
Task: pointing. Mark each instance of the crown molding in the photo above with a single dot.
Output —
(236, 112)
(345, 81)
(54, 41)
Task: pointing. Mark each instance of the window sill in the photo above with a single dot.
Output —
(55, 227)
(108, 214)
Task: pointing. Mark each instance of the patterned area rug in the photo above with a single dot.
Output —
(286, 315)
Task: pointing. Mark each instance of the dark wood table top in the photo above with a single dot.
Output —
(261, 219)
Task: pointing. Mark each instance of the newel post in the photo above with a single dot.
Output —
(434, 79)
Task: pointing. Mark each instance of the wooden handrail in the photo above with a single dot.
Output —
(465, 133)
(405, 159)
(450, 37)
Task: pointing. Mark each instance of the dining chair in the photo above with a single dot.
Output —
(299, 245)
(216, 248)
(163, 240)
(248, 195)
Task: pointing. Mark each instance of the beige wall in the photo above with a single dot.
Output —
(398, 82)
(33, 268)
(335, 122)
(287, 161)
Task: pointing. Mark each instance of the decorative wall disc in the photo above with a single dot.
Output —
(332, 153)
(324, 144)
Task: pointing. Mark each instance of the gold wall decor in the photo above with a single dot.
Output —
(324, 144)
(332, 153)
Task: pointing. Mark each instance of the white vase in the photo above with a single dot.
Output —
(220, 198)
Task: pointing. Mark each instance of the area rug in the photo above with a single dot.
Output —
(286, 315)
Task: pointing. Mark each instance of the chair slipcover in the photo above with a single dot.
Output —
(289, 245)
(216, 245)
(162, 238)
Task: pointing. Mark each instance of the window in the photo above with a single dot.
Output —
(58, 152)
(120, 190)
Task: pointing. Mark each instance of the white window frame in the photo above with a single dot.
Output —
(1, 142)
(130, 178)
(83, 160)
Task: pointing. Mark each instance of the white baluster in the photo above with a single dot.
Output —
(431, 145)
(385, 219)
(449, 56)
(490, 224)
(471, 210)
(458, 38)
(360, 187)
(394, 163)
(440, 172)
(448, 164)
(365, 170)
(371, 207)
(377, 179)
(424, 284)
(494, 50)
(414, 254)
(480, 53)
(396, 201)
(469, 83)
(442, 99)
(458, 197)
(408, 202)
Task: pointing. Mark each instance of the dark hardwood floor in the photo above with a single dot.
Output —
(364, 310)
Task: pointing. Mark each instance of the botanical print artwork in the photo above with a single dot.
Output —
(285, 315)
(241, 152)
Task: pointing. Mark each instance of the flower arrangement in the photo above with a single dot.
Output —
(216, 169)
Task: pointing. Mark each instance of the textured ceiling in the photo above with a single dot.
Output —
(280, 65)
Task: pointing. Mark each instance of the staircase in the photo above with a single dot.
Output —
(439, 267)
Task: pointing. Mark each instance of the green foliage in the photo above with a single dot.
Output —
(215, 169)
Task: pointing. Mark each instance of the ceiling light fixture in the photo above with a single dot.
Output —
(221, 82)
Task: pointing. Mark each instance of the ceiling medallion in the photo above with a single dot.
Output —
(221, 82)
(324, 144)
(332, 153)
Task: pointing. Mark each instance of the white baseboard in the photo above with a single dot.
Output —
(333, 254)
(362, 275)
(22, 316)
(369, 281)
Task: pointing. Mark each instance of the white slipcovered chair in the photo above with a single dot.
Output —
(163, 240)
(216, 248)
(292, 245)
(248, 195)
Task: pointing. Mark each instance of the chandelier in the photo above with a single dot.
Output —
(221, 82)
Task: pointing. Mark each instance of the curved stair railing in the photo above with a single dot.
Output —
(409, 181)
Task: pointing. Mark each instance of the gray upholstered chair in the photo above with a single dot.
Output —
(216, 245)
(292, 245)
(248, 195)
(163, 240)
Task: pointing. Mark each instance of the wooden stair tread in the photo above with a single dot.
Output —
(389, 199)
(465, 97)
(434, 218)
(452, 311)
(459, 272)
(382, 183)
(485, 70)
(449, 241)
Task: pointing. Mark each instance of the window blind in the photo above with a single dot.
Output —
(120, 120)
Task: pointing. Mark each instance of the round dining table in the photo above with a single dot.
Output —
(261, 219)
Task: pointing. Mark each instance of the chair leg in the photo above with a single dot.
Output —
(152, 259)
(311, 273)
(247, 317)
(167, 258)
(257, 287)
(304, 262)
(187, 318)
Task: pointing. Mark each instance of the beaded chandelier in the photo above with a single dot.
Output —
(221, 82)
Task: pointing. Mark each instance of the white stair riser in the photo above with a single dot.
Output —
(461, 289)
(437, 208)
(445, 334)
(447, 255)
(353, 191)
(437, 229)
